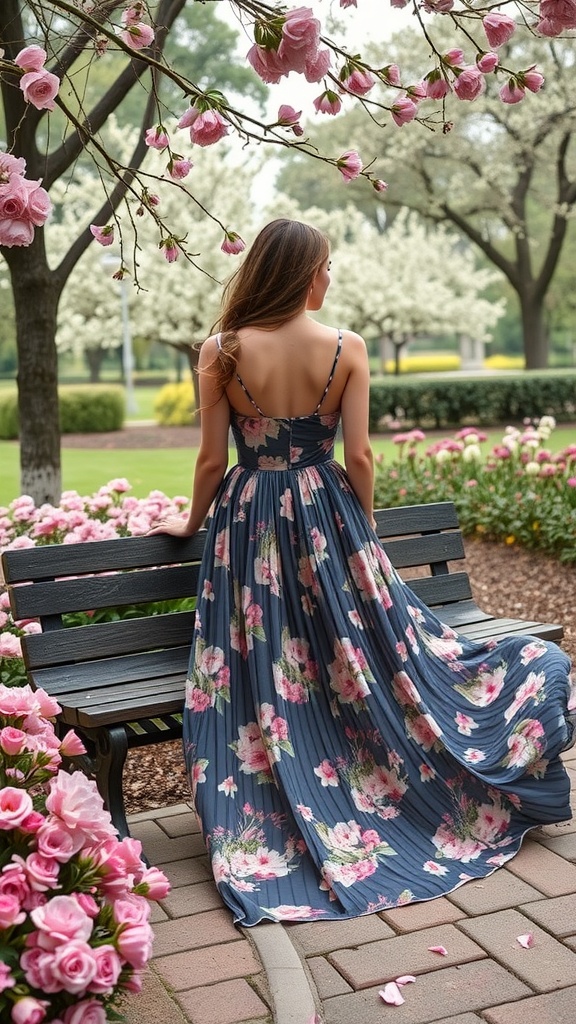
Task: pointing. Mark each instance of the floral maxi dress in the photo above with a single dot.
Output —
(347, 751)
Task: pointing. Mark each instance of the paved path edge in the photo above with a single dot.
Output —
(293, 996)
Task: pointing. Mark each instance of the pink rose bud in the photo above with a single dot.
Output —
(391, 74)
(31, 58)
(349, 165)
(40, 88)
(103, 235)
(72, 745)
(156, 137)
(137, 36)
(499, 28)
(417, 92)
(437, 87)
(512, 92)
(328, 103)
(379, 185)
(454, 58)
(29, 1010)
(403, 111)
(487, 62)
(153, 884)
(232, 244)
(359, 82)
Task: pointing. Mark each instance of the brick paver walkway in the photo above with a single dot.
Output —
(207, 971)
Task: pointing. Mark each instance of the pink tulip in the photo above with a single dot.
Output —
(137, 36)
(470, 83)
(349, 165)
(328, 103)
(512, 92)
(403, 111)
(103, 235)
(156, 137)
(208, 128)
(40, 88)
(232, 244)
(499, 28)
(31, 58)
(29, 1010)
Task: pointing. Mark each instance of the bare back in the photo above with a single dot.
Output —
(286, 371)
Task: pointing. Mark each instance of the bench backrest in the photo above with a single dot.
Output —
(136, 571)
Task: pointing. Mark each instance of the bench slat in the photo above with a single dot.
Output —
(127, 636)
(108, 672)
(398, 522)
(109, 591)
(435, 590)
(435, 547)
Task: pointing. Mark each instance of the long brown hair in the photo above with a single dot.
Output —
(270, 287)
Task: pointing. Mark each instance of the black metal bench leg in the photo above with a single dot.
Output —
(111, 748)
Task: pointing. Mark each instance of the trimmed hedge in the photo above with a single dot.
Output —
(83, 410)
(175, 404)
(450, 401)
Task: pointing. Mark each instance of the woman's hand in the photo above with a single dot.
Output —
(176, 526)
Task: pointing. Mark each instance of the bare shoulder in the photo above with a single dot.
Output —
(208, 351)
(353, 345)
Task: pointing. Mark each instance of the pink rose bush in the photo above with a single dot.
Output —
(74, 899)
(518, 491)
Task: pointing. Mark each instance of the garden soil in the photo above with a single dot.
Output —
(506, 581)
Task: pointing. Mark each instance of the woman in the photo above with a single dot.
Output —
(347, 752)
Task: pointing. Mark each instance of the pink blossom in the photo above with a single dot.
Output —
(349, 165)
(71, 745)
(132, 14)
(558, 16)
(153, 884)
(328, 103)
(39, 203)
(454, 58)
(15, 806)
(300, 39)
(40, 88)
(179, 168)
(287, 115)
(208, 128)
(156, 138)
(512, 92)
(60, 921)
(487, 62)
(266, 64)
(359, 82)
(470, 83)
(86, 1012)
(499, 28)
(77, 802)
(31, 58)
(10, 912)
(317, 66)
(11, 165)
(12, 740)
(170, 247)
(16, 232)
(379, 186)
(391, 74)
(74, 966)
(348, 3)
(137, 36)
(135, 944)
(6, 979)
(403, 110)
(437, 85)
(29, 1010)
(103, 235)
(532, 79)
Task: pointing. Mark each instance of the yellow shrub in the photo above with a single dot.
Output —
(422, 362)
(500, 362)
(174, 405)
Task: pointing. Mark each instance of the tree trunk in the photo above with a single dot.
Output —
(36, 304)
(536, 342)
(94, 358)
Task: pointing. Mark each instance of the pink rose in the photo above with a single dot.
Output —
(56, 841)
(499, 28)
(39, 202)
(7, 980)
(15, 806)
(10, 913)
(135, 944)
(153, 884)
(11, 165)
(12, 741)
(266, 64)
(75, 800)
(61, 921)
(108, 967)
(29, 1010)
(131, 910)
(10, 646)
(40, 88)
(74, 966)
(42, 872)
(31, 58)
(14, 198)
(86, 1012)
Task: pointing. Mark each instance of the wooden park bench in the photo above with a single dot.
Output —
(120, 683)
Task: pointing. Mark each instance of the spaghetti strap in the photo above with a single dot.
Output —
(332, 371)
(240, 381)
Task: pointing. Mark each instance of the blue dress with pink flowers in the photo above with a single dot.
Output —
(346, 750)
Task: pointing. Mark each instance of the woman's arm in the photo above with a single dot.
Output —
(358, 457)
(212, 459)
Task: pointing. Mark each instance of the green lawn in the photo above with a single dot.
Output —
(169, 470)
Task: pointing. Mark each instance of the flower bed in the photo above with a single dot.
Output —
(518, 492)
(74, 931)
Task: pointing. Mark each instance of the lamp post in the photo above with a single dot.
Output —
(110, 260)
